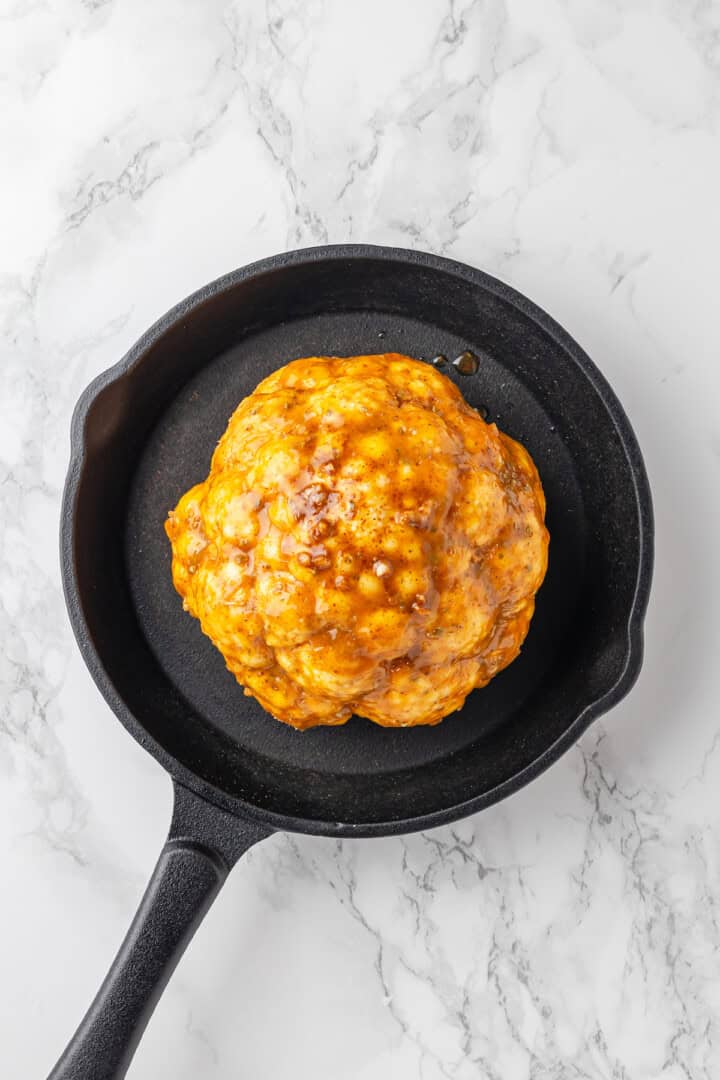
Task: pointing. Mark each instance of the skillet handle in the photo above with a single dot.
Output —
(202, 846)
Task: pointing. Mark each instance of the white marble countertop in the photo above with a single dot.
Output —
(572, 149)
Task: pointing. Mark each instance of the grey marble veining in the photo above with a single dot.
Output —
(572, 149)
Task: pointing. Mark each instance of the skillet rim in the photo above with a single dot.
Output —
(316, 826)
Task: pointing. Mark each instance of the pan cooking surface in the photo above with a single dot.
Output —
(146, 431)
(178, 455)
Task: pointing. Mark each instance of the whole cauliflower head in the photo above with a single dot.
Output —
(365, 543)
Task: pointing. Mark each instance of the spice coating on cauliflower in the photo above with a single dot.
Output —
(365, 543)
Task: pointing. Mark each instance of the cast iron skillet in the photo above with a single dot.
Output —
(144, 431)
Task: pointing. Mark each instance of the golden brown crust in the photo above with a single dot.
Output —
(365, 543)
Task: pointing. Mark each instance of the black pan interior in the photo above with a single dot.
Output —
(150, 434)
